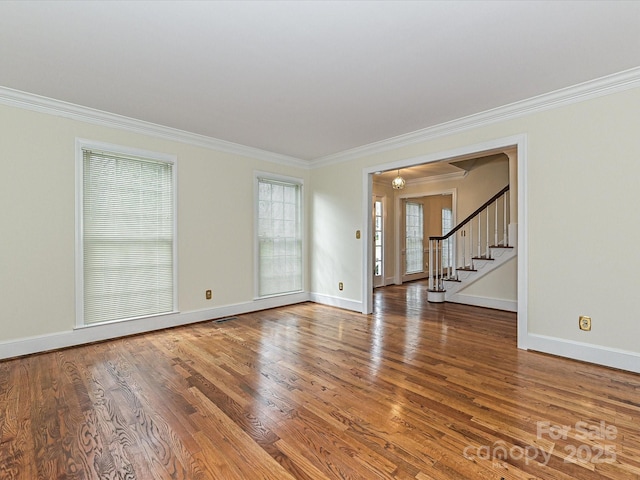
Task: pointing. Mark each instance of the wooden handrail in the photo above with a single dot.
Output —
(470, 217)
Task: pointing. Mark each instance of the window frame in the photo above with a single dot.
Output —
(80, 146)
(258, 175)
(447, 259)
(406, 238)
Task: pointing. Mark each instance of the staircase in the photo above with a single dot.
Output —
(469, 251)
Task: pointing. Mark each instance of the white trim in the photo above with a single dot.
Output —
(486, 302)
(37, 103)
(81, 144)
(367, 250)
(522, 243)
(431, 179)
(438, 178)
(585, 352)
(332, 301)
(97, 333)
(607, 85)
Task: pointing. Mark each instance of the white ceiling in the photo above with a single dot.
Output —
(309, 79)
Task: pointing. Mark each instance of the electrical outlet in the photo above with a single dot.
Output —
(584, 323)
(340, 286)
(207, 294)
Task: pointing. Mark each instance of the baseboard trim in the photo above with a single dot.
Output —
(585, 352)
(98, 333)
(487, 302)
(609, 357)
(332, 301)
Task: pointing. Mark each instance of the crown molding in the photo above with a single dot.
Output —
(38, 103)
(607, 85)
(438, 178)
(426, 180)
(584, 91)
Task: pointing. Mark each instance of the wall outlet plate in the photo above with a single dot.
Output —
(584, 323)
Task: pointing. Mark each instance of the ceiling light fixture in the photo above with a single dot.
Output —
(398, 182)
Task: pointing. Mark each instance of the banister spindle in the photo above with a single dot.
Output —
(471, 244)
(440, 285)
(495, 226)
(431, 243)
(488, 251)
(450, 259)
(463, 234)
(505, 224)
(437, 265)
(479, 236)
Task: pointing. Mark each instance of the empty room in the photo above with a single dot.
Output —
(319, 240)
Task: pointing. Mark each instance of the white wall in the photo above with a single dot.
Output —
(37, 205)
(497, 289)
(334, 202)
(582, 169)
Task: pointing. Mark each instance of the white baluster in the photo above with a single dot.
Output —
(471, 244)
(464, 248)
(450, 259)
(437, 265)
(488, 251)
(431, 264)
(495, 236)
(479, 236)
(505, 225)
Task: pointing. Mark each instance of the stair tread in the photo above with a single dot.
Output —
(483, 257)
(500, 246)
(466, 269)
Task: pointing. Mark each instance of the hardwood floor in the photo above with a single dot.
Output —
(414, 391)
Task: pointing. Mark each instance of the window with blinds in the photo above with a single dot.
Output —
(127, 237)
(279, 237)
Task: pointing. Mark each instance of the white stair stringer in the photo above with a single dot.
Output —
(481, 268)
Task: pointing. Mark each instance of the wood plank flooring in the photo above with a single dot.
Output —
(414, 391)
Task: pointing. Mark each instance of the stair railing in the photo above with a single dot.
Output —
(472, 239)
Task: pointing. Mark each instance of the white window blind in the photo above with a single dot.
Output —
(127, 237)
(279, 237)
(414, 250)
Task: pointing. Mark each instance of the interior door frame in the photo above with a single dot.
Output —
(519, 142)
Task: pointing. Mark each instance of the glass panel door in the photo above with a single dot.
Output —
(378, 242)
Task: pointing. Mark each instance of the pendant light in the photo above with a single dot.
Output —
(398, 182)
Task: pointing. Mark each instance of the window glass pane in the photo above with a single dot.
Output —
(447, 225)
(414, 238)
(279, 267)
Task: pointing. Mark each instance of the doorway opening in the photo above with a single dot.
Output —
(512, 151)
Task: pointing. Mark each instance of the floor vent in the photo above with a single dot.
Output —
(225, 319)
